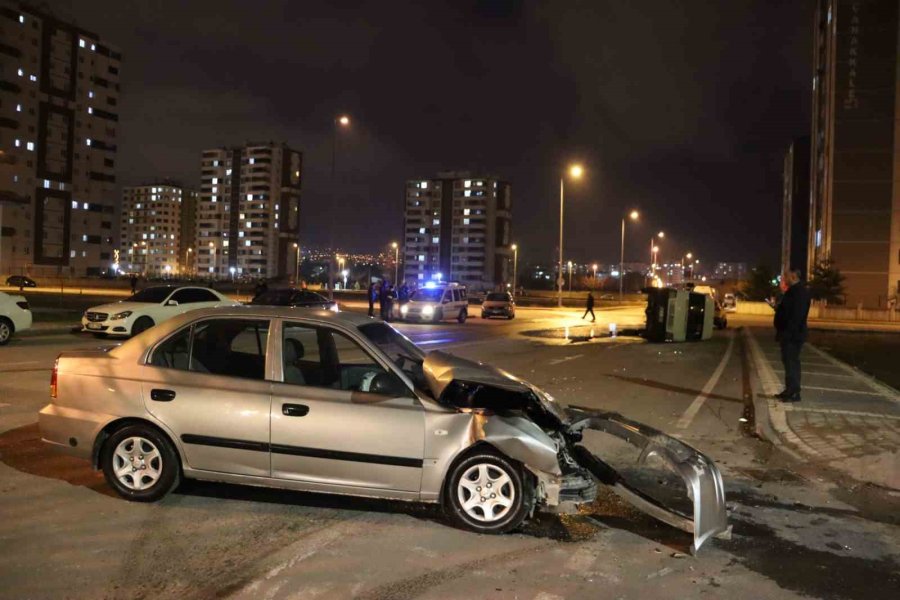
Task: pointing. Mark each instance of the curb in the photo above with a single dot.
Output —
(47, 331)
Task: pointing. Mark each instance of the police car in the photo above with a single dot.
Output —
(437, 302)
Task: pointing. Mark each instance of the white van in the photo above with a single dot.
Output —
(434, 303)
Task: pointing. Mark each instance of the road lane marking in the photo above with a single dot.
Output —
(558, 361)
(887, 391)
(818, 373)
(697, 404)
(833, 411)
(842, 390)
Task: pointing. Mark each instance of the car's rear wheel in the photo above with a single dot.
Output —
(140, 464)
(488, 493)
(142, 325)
(461, 317)
(6, 331)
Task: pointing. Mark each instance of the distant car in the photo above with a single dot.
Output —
(498, 304)
(20, 281)
(607, 297)
(294, 297)
(148, 307)
(14, 316)
(434, 303)
(729, 303)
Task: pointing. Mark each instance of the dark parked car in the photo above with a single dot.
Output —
(294, 297)
(20, 281)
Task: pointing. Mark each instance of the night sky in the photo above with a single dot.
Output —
(682, 109)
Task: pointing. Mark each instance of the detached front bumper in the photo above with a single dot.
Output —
(701, 476)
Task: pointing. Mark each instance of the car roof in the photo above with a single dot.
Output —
(282, 312)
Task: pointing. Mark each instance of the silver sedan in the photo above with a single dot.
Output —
(345, 404)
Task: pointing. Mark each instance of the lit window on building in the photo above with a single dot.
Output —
(467, 183)
(21, 72)
(423, 185)
(18, 108)
(88, 141)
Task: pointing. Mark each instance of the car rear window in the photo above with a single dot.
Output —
(498, 297)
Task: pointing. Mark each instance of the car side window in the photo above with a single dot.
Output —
(174, 353)
(323, 357)
(182, 297)
(205, 296)
(462, 295)
(232, 347)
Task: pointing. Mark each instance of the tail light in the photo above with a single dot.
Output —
(53, 377)
(23, 305)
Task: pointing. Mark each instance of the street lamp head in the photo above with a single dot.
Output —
(514, 247)
(594, 267)
(570, 264)
(689, 256)
(343, 120)
(576, 171)
(661, 234)
(211, 244)
(394, 245)
(634, 215)
(656, 248)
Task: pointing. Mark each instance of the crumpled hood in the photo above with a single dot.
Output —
(117, 307)
(441, 369)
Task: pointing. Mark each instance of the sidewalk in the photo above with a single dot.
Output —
(846, 420)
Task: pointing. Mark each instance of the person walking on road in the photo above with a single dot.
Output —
(791, 332)
(589, 307)
(134, 282)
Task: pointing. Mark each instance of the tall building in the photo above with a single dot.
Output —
(458, 227)
(59, 102)
(730, 270)
(158, 224)
(855, 171)
(795, 206)
(248, 211)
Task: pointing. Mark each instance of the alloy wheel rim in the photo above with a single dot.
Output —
(4, 332)
(137, 463)
(486, 492)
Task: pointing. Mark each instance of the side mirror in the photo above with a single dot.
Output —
(388, 384)
(172, 303)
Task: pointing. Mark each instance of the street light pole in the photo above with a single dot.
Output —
(297, 265)
(634, 217)
(569, 265)
(575, 172)
(515, 249)
(396, 248)
(341, 121)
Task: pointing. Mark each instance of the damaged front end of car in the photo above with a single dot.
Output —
(528, 425)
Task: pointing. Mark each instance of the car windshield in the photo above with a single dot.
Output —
(400, 350)
(498, 297)
(427, 295)
(153, 295)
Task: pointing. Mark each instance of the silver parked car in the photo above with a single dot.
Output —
(341, 403)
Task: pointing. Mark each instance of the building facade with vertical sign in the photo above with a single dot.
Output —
(855, 163)
(59, 105)
(458, 227)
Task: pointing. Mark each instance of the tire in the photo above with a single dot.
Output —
(141, 325)
(511, 316)
(461, 317)
(6, 330)
(483, 316)
(472, 475)
(158, 460)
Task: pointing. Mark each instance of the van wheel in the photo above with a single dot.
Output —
(488, 493)
(140, 464)
(461, 317)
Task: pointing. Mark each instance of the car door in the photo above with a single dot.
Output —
(328, 429)
(207, 383)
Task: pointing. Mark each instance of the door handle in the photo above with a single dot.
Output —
(294, 410)
(162, 395)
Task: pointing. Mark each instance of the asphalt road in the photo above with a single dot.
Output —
(797, 532)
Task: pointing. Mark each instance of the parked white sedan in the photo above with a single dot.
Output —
(14, 316)
(148, 307)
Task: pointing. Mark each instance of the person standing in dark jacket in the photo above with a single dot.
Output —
(371, 295)
(791, 332)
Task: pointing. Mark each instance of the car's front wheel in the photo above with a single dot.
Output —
(141, 325)
(6, 331)
(488, 493)
(140, 464)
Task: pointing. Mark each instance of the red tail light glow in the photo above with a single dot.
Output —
(53, 378)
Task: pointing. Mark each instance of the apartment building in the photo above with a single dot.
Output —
(158, 229)
(795, 207)
(855, 147)
(59, 103)
(458, 227)
(248, 211)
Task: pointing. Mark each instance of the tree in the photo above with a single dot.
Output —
(826, 282)
(760, 284)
